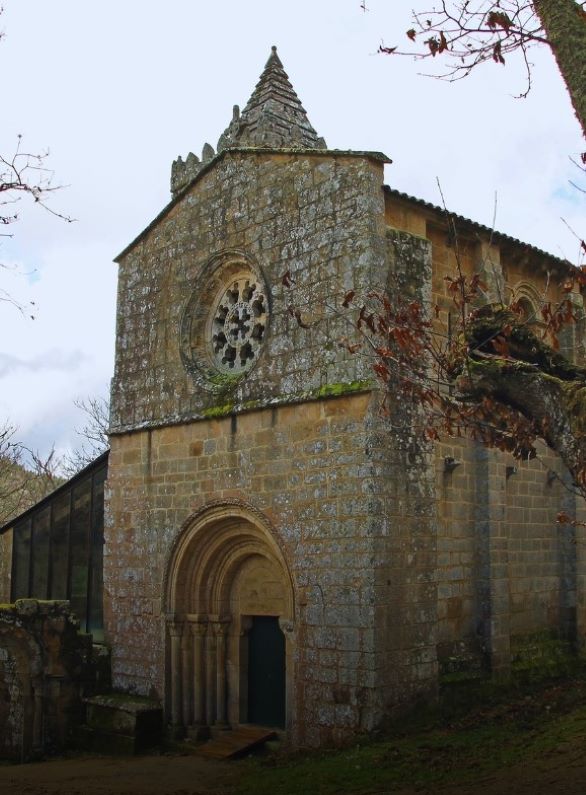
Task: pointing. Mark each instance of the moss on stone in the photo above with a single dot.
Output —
(227, 380)
(337, 390)
(460, 677)
(215, 412)
(325, 391)
(541, 655)
(575, 399)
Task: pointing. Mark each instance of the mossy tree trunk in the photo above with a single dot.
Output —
(532, 379)
(565, 25)
(557, 405)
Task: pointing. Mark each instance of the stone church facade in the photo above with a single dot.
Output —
(278, 550)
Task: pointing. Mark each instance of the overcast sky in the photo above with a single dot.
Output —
(117, 89)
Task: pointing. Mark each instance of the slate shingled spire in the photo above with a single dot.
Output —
(273, 117)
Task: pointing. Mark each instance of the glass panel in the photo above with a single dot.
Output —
(40, 569)
(95, 611)
(60, 546)
(21, 555)
(79, 548)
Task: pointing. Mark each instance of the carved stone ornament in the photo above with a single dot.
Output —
(225, 321)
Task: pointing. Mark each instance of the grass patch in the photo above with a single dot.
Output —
(527, 727)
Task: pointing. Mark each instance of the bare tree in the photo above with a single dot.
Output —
(23, 175)
(93, 434)
(25, 476)
(493, 374)
(467, 33)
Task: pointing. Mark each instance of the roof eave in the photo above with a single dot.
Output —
(471, 225)
(92, 465)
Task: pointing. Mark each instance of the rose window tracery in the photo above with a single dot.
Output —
(225, 322)
(238, 325)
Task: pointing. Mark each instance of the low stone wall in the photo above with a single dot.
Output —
(44, 666)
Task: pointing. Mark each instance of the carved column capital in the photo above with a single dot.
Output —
(175, 628)
(245, 625)
(220, 628)
(286, 625)
(198, 629)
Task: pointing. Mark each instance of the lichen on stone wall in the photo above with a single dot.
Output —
(329, 222)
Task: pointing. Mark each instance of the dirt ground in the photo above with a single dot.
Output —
(145, 775)
(561, 771)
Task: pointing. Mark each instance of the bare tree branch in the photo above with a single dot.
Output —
(93, 434)
(466, 33)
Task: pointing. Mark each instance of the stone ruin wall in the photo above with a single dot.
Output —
(43, 665)
(5, 565)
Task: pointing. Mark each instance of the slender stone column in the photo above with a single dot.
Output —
(221, 631)
(210, 700)
(175, 632)
(287, 627)
(186, 676)
(38, 715)
(492, 573)
(198, 631)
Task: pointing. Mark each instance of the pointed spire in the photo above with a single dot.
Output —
(274, 116)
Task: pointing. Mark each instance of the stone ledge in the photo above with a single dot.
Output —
(230, 408)
(123, 702)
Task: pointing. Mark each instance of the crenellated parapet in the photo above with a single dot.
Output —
(184, 171)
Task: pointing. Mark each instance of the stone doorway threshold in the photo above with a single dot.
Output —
(233, 742)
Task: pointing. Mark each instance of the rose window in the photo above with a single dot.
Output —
(238, 325)
(225, 321)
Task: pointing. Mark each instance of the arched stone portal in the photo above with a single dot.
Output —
(226, 576)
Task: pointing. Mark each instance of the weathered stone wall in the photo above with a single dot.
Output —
(348, 500)
(505, 568)
(5, 565)
(43, 660)
(319, 217)
(460, 643)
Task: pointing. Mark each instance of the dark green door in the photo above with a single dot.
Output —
(266, 672)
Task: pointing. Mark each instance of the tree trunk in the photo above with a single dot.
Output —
(533, 379)
(565, 26)
(557, 405)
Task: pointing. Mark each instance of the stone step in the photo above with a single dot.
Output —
(233, 742)
(121, 723)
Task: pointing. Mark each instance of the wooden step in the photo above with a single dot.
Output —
(233, 742)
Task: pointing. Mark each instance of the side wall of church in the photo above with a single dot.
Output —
(507, 573)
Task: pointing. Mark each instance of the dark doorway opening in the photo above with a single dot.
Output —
(266, 672)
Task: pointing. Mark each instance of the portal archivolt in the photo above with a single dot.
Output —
(226, 573)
